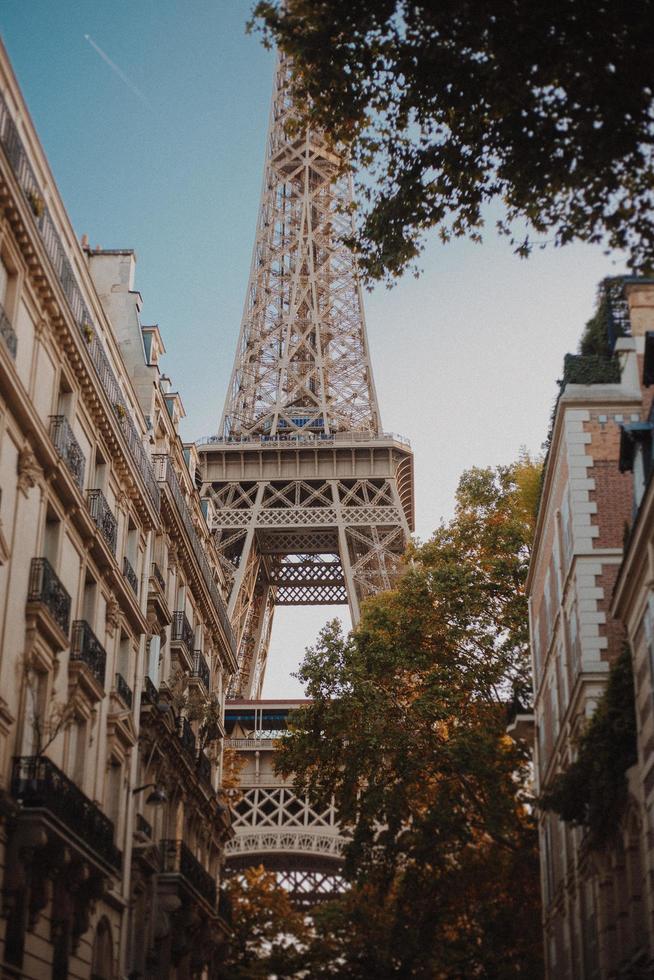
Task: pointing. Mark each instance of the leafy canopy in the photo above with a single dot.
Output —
(446, 106)
(268, 934)
(406, 730)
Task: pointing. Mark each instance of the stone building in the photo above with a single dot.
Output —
(595, 901)
(115, 645)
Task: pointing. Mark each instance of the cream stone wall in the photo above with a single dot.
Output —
(112, 825)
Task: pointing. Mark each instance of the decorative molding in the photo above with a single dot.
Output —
(28, 470)
(113, 614)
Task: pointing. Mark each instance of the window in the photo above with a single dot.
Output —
(152, 670)
(89, 601)
(4, 283)
(77, 744)
(99, 481)
(103, 955)
(51, 538)
(123, 663)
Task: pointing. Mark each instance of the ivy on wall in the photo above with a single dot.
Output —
(592, 792)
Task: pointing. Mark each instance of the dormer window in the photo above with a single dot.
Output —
(153, 345)
(636, 456)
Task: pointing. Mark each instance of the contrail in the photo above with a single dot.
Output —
(121, 74)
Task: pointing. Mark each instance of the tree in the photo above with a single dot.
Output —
(406, 730)
(269, 935)
(445, 106)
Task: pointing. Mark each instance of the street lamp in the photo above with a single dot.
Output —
(156, 798)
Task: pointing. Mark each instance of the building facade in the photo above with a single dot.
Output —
(115, 645)
(597, 920)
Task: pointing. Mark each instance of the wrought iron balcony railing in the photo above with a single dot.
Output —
(68, 448)
(176, 858)
(8, 333)
(37, 782)
(150, 692)
(204, 768)
(182, 630)
(201, 668)
(186, 737)
(124, 691)
(166, 474)
(24, 173)
(103, 517)
(130, 575)
(86, 647)
(45, 587)
(158, 577)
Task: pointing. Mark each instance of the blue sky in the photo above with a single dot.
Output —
(170, 163)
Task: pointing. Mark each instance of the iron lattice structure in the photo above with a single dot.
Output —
(302, 361)
(309, 500)
(300, 842)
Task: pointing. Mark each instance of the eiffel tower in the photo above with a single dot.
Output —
(309, 500)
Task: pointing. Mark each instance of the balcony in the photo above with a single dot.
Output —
(88, 656)
(166, 474)
(104, 520)
(186, 737)
(38, 784)
(182, 638)
(177, 859)
(48, 600)
(124, 691)
(130, 575)
(201, 669)
(68, 448)
(158, 577)
(157, 602)
(8, 333)
(150, 694)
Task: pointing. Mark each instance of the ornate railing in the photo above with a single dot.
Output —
(182, 630)
(250, 743)
(166, 474)
(103, 517)
(124, 691)
(186, 737)
(24, 173)
(150, 692)
(158, 577)
(37, 782)
(68, 447)
(45, 587)
(299, 436)
(8, 333)
(130, 575)
(85, 646)
(176, 858)
(201, 668)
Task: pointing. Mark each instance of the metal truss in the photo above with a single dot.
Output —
(302, 362)
(285, 833)
(311, 503)
(304, 542)
(306, 887)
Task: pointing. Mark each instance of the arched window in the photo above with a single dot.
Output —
(103, 952)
